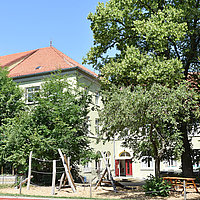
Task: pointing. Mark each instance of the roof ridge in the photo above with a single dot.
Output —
(27, 56)
(63, 57)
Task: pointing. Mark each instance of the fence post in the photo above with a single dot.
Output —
(90, 187)
(29, 171)
(54, 177)
(13, 170)
(184, 187)
(20, 185)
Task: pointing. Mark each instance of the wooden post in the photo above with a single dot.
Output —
(20, 185)
(71, 183)
(68, 160)
(13, 170)
(69, 170)
(100, 180)
(90, 187)
(184, 187)
(61, 180)
(22, 182)
(54, 177)
(109, 172)
(29, 171)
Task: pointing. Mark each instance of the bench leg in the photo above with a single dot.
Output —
(195, 186)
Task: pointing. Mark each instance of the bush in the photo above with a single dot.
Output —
(156, 187)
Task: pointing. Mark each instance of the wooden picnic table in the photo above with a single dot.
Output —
(178, 182)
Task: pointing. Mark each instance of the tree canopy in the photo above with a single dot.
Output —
(10, 97)
(147, 121)
(58, 119)
(165, 28)
(140, 42)
(11, 102)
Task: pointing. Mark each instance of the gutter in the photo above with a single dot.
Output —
(49, 72)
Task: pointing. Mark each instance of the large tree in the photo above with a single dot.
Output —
(10, 97)
(58, 119)
(11, 103)
(147, 120)
(148, 39)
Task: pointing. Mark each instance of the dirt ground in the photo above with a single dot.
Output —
(100, 192)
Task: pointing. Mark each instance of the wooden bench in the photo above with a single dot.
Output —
(178, 182)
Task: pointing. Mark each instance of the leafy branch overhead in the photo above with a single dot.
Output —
(150, 47)
(167, 28)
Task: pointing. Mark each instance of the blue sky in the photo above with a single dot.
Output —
(28, 25)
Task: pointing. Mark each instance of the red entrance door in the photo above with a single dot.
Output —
(116, 167)
(128, 167)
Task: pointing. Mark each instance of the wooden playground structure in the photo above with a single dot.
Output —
(67, 179)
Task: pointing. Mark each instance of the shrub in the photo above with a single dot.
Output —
(156, 187)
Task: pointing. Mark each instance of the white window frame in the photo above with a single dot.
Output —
(27, 93)
(145, 164)
(89, 124)
(96, 126)
(97, 98)
(87, 167)
(196, 165)
(108, 157)
(171, 163)
(98, 164)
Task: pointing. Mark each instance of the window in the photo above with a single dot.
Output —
(97, 126)
(31, 92)
(196, 165)
(98, 162)
(196, 158)
(124, 154)
(171, 163)
(97, 95)
(87, 167)
(146, 162)
(108, 156)
(88, 124)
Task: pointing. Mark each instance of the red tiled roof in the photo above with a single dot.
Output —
(39, 60)
(13, 58)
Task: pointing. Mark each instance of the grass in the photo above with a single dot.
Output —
(6, 186)
(53, 197)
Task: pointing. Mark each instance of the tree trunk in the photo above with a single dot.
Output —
(186, 157)
(157, 167)
(156, 156)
